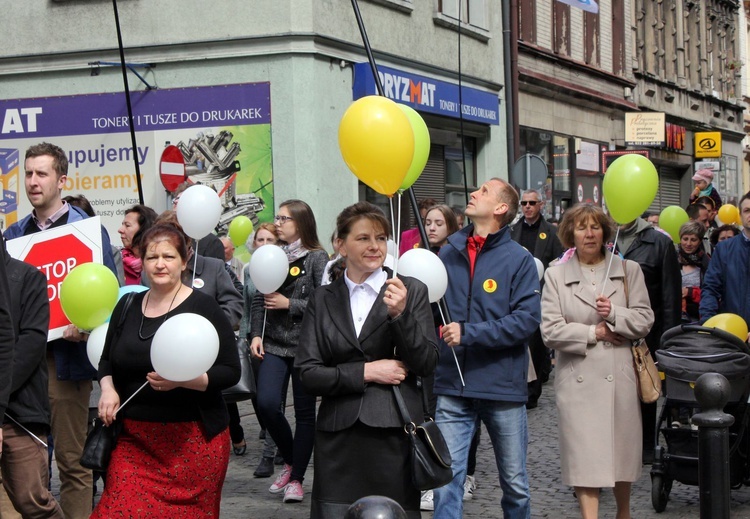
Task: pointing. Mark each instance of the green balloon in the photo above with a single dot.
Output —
(629, 187)
(421, 147)
(88, 295)
(240, 229)
(671, 219)
(242, 254)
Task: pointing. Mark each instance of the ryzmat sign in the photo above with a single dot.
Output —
(426, 94)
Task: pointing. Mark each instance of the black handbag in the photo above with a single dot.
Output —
(245, 388)
(101, 440)
(430, 456)
(99, 445)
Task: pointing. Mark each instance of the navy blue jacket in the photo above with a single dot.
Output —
(726, 285)
(498, 311)
(71, 360)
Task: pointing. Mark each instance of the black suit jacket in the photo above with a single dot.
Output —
(331, 358)
(548, 246)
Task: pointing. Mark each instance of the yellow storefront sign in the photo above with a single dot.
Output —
(707, 145)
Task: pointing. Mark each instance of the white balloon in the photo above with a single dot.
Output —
(95, 344)
(390, 261)
(184, 347)
(425, 266)
(268, 268)
(198, 211)
(539, 268)
(392, 248)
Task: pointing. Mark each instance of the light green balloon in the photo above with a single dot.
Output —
(671, 219)
(88, 295)
(421, 147)
(629, 187)
(240, 229)
(242, 254)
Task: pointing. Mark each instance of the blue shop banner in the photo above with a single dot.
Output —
(426, 94)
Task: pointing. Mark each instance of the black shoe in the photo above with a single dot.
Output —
(240, 448)
(265, 468)
(262, 434)
(278, 459)
(532, 404)
(648, 456)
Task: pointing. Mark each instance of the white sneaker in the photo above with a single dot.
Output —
(470, 485)
(426, 503)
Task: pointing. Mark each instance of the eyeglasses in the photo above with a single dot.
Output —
(281, 218)
(529, 202)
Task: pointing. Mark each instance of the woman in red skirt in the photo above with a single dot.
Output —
(172, 453)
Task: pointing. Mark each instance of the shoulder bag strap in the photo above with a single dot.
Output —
(402, 406)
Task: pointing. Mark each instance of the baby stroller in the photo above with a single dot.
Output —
(687, 352)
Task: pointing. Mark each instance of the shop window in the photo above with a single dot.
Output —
(730, 183)
(561, 163)
(472, 12)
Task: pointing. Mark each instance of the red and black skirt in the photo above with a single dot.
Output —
(165, 470)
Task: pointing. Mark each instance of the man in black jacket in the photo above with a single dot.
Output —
(540, 239)
(655, 253)
(6, 346)
(24, 462)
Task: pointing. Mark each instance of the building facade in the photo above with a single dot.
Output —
(581, 73)
(310, 55)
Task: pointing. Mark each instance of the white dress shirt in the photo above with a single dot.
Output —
(363, 296)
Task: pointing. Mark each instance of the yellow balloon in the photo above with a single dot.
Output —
(377, 143)
(729, 214)
(731, 323)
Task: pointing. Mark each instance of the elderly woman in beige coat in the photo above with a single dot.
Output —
(591, 324)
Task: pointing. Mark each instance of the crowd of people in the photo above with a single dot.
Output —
(352, 338)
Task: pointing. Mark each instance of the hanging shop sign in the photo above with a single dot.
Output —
(644, 129)
(426, 94)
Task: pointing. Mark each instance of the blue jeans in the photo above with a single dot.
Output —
(297, 448)
(506, 424)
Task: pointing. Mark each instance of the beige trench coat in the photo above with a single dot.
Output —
(597, 402)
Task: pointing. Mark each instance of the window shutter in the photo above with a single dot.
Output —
(431, 183)
(669, 190)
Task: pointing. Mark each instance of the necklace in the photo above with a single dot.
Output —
(140, 328)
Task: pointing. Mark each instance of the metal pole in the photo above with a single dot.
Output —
(374, 68)
(712, 392)
(130, 107)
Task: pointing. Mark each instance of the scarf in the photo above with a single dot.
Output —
(474, 245)
(706, 192)
(295, 251)
(695, 259)
(132, 266)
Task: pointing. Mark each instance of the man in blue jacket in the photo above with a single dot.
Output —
(726, 285)
(494, 304)
(70, 372)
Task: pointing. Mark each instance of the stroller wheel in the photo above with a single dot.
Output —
(660, 488)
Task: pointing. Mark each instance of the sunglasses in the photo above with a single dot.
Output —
(529, 202)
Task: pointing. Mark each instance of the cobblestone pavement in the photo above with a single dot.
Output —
(246, 497)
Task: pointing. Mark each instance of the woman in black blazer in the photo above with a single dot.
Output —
(364, 333)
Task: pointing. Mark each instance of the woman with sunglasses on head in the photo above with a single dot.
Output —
(276, 341)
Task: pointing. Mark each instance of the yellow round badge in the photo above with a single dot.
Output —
(542, 235)
(416, 246)
(294, 271)
(489, 285)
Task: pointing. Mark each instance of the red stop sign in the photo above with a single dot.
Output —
(55, 259)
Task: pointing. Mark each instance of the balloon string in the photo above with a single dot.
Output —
(609, 267)
(195, 263)
(263, 331)
(26, 430)
(453, 350)
(393, 226)
(131, 397)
